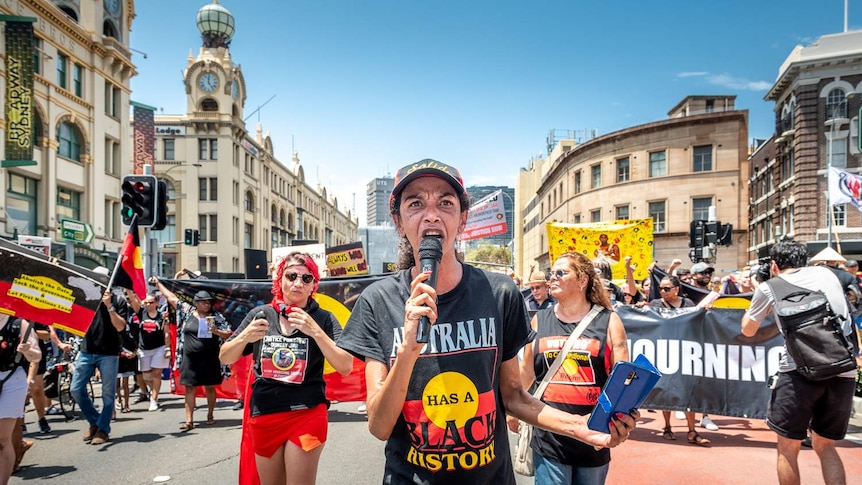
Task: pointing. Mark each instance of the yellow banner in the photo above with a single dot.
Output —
(616, 240)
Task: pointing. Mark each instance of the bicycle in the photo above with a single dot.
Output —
(58, 380)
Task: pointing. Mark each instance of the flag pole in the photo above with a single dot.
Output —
(132, 224)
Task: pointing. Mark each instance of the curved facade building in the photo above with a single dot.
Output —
(671, 170)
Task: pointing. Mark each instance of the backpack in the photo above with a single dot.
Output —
(10, 337)
(812, 331)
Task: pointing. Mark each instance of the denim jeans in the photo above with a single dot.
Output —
(85, 368)
(550, 472)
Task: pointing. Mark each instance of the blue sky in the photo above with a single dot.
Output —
(364, 87)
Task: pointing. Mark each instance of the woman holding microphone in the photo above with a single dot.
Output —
(289, 338)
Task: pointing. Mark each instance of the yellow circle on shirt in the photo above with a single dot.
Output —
(450, 396)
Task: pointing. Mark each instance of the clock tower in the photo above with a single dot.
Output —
(215, 87)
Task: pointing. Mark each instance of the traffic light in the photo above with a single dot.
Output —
(697, 240)
(192, 237)
(140, 194)
(161, 207)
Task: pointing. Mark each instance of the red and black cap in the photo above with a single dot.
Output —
(422, 168)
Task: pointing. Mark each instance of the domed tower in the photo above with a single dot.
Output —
(216, 25)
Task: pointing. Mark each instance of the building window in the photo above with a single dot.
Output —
(622, 212)
(839, 214)
(21, 206)
(208, 264)
(69, 142)
(208, 189)
(62, 70)
(577, 218)
(112, 220)
(623, 170)
(112, 157)
(659, 216)
(208, 224)
(68, 204)
(710, 105)
(249, 235)
(596, 176)
(836, 104)
(249, 201)
(208, 149)
(37, 55)
(596, 215)
(169, 148)
(838, 157)
(78, 79)
(702, 158)
(578, 182)
(658, 164)
(700, 208)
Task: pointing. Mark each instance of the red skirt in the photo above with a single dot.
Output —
(306, 428)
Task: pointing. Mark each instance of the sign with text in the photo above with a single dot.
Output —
(76, 231)
(346, 260)
(19, 92)
(39, 244)
(317, 252)
(486, 218)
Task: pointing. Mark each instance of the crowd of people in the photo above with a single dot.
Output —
(490, 342)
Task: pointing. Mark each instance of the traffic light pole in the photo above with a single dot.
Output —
(147, 258)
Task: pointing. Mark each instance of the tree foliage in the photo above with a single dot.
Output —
(496, 257)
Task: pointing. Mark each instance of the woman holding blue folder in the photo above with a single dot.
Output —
(577, 384)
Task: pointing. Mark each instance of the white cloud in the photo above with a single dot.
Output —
(727, 81)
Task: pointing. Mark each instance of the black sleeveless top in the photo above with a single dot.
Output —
(576, 386)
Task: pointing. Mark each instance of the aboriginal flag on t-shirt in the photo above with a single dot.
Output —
(450, 405)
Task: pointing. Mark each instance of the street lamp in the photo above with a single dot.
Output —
(836, 111)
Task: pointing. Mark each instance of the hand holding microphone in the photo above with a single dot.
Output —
(430, 254)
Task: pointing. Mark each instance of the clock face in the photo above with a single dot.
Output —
(234, 89)
(112, 6)
(208, 82)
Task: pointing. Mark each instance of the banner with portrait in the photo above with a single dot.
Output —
(614, 240)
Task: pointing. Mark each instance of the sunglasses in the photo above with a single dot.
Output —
(306, 278)
(558, 273)
(666, 288)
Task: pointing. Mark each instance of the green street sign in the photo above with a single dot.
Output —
(77, 231)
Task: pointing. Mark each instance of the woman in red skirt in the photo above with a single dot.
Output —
(289, 338)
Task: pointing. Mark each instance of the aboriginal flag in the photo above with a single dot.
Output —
(130, 270)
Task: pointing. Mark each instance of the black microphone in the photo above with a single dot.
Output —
(430, 254)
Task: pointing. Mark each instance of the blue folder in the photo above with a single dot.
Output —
(627, 387)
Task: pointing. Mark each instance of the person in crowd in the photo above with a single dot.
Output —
(746, 285)
(129, 361)
(200, 331)
(153, 352)
(45, 336)
(13, 375)
(671, 300)
(577, 289)
(631, 296)
(538, 298)
(478, 324)
(288, 406)
(100, 350)
(799, 405)
(646, 287)
(701, 278)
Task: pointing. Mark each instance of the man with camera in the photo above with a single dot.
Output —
(799, 403)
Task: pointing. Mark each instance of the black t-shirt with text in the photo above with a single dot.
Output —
(101, 337)
(288, 369)
(152, 333)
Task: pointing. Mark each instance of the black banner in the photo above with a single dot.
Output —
(144, 135)
(19, 92)
(707, 365)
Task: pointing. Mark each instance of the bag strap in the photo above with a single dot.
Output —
(570, 342)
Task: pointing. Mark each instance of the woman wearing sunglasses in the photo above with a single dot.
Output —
(289, 338)
(670, 299)
(576, 386)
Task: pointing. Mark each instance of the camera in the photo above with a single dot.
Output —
(763, 270)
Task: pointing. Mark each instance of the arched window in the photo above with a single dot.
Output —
(281, 218)
(209, 104)
(272, 215)
(109, 30)
(290, 221)
(249, 201)
(836, 104)
(36, 132)
(69, 141)
(70, 12)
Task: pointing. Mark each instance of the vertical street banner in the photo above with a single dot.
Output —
(614, 240)
(45, 290)
(346, 260)
(144, 136)
(19, 92)
(487, 217)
